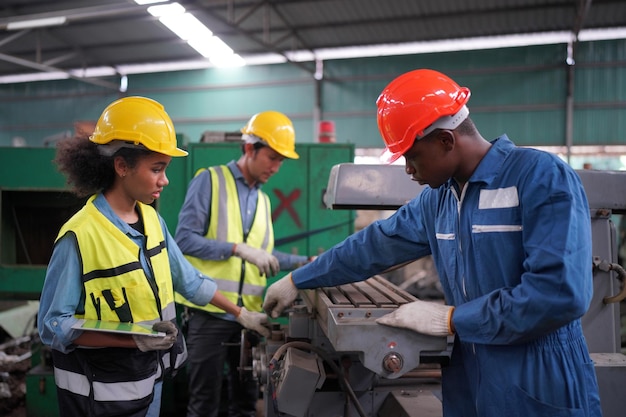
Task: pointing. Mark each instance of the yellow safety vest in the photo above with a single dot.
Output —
(233, 276)
(116, 288)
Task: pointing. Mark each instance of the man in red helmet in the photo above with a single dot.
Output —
(509, 231)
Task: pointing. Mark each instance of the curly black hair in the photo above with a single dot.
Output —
(87, 171)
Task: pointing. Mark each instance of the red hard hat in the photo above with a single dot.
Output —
(410, 105)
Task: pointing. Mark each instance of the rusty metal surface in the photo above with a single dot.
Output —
(375, 292)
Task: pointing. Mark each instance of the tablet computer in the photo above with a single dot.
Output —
(116, 327)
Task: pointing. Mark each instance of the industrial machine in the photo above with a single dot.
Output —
(332, 359)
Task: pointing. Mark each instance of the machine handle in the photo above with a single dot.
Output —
(621, 275)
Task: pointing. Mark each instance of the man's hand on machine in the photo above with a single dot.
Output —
(279, 296)
(254, 321)
(422, 317)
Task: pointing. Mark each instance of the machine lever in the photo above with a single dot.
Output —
(621, 275)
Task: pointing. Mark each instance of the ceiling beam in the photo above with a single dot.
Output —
(71, 15)
(47, 68)
(77, 14)
(248, 34)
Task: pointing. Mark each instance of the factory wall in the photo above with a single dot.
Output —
(521, 91)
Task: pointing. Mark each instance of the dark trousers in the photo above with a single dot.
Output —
(213, 343)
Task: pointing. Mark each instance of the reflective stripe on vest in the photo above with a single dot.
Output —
(225, 224)
(104, 381)
(117, 391)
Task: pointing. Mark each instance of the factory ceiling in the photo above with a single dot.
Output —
(119, 34)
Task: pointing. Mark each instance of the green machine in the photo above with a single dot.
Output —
(35, 202)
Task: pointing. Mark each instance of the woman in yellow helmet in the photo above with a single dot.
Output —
(116, 261)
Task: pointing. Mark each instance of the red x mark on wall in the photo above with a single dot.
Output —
(286, 204)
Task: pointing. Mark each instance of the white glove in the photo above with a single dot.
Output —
(279, 296)
(421, 316)
(266, 262)
(148, 343)
(254, 321)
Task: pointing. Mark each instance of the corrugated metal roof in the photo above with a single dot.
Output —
(119, 32)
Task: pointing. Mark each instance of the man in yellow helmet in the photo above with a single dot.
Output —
(225, 230)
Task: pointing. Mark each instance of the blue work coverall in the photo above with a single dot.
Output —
(513, 253)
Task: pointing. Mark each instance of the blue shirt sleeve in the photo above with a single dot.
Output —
(60, 296)
(379, 246)
(187, 280)
(288, 261)
(193, 222)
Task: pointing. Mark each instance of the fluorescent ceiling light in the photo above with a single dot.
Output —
(94, 72)
(448, 45)
(36, 23)
(227, 61)
(602, 34)
(37, 76)
(142, 2)
(210, 47)
(264, 59)
(163, 67)
(171, 9)
(186, 26)
(219, 46)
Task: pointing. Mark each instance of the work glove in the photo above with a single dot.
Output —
(266, 262)
(148, 343)
(279, 296)
(421, 316)
(254, 321)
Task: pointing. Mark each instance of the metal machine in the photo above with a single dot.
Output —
(332, 359)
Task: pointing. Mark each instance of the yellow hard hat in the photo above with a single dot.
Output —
(276, 130)
(139, 120)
